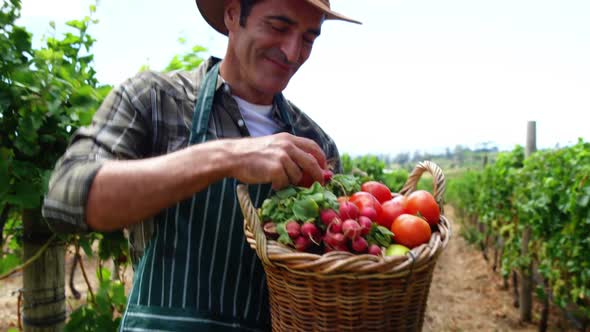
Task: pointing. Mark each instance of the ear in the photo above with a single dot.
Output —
(231, 14)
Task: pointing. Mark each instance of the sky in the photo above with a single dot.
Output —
(420, 75)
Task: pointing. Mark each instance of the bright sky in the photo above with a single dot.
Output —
(417, 75)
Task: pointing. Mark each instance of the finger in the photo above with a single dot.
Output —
(292, 170)
(308, 164)
(280, 181)
(311, 147)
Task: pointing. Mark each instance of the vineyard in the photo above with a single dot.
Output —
(525, 214)
(531, 216)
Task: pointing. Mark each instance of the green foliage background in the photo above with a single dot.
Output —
(549, 192)
(45, 95)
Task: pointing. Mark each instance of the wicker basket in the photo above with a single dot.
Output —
(340, 291)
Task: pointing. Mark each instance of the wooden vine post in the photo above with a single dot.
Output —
(44, 305)
(526, 275)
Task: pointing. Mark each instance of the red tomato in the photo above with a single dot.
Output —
(392, 209)
(377, 189)
(363, 199)
(410, 230)
(422, 202)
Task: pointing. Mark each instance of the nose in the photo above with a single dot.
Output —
(291, 47)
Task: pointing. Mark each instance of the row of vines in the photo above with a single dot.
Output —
(548, 195)
(46, 93)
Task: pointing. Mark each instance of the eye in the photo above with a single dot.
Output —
(279, 28)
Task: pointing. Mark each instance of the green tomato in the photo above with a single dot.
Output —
(396, 249)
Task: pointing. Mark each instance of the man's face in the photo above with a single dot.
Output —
(276, 40)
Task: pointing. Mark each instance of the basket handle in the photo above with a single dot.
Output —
(252, 222)
(438, 180)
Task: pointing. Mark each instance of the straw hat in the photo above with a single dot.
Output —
(212, 11)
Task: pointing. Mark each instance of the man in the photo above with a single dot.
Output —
(170, 149)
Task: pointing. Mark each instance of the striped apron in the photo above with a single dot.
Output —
(198, 274)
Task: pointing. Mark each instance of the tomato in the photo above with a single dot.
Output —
(410, 230)
(363, 199)
(377, 189)
(392, 209)
(422, 202)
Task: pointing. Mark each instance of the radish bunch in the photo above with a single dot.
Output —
(343, 229)
(347, 229)
(314, 220)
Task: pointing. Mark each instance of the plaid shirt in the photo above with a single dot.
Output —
(146, 116)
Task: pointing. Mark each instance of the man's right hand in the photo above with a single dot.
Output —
(279, 159)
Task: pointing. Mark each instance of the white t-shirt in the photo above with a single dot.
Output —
(258, 118)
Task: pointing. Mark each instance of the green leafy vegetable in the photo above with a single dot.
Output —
(380, 236)
(306, 209)
(344, 184)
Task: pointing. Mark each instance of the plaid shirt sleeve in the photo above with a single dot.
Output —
(118, 131)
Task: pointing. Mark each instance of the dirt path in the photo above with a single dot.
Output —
(465, 294)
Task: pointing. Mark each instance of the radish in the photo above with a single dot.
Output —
(305, 181)
(348, 210)
(374, 250)
(335, 226)
(311, 231)
(334, 239)
(327, 175)
(293, 229)
(341, 247)
(302, 243)
(369, 212)
(365, 224)
(359, 244)
(327, 215)
(351, 228)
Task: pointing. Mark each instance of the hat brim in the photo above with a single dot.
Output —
(213, 11)
(330, 14)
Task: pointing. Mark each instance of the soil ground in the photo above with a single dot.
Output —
(465, 294)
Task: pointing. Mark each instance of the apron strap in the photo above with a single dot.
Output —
(204, 106)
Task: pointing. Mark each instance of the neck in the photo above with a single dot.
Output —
(230, 71)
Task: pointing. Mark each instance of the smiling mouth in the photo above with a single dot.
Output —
(281, 65)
